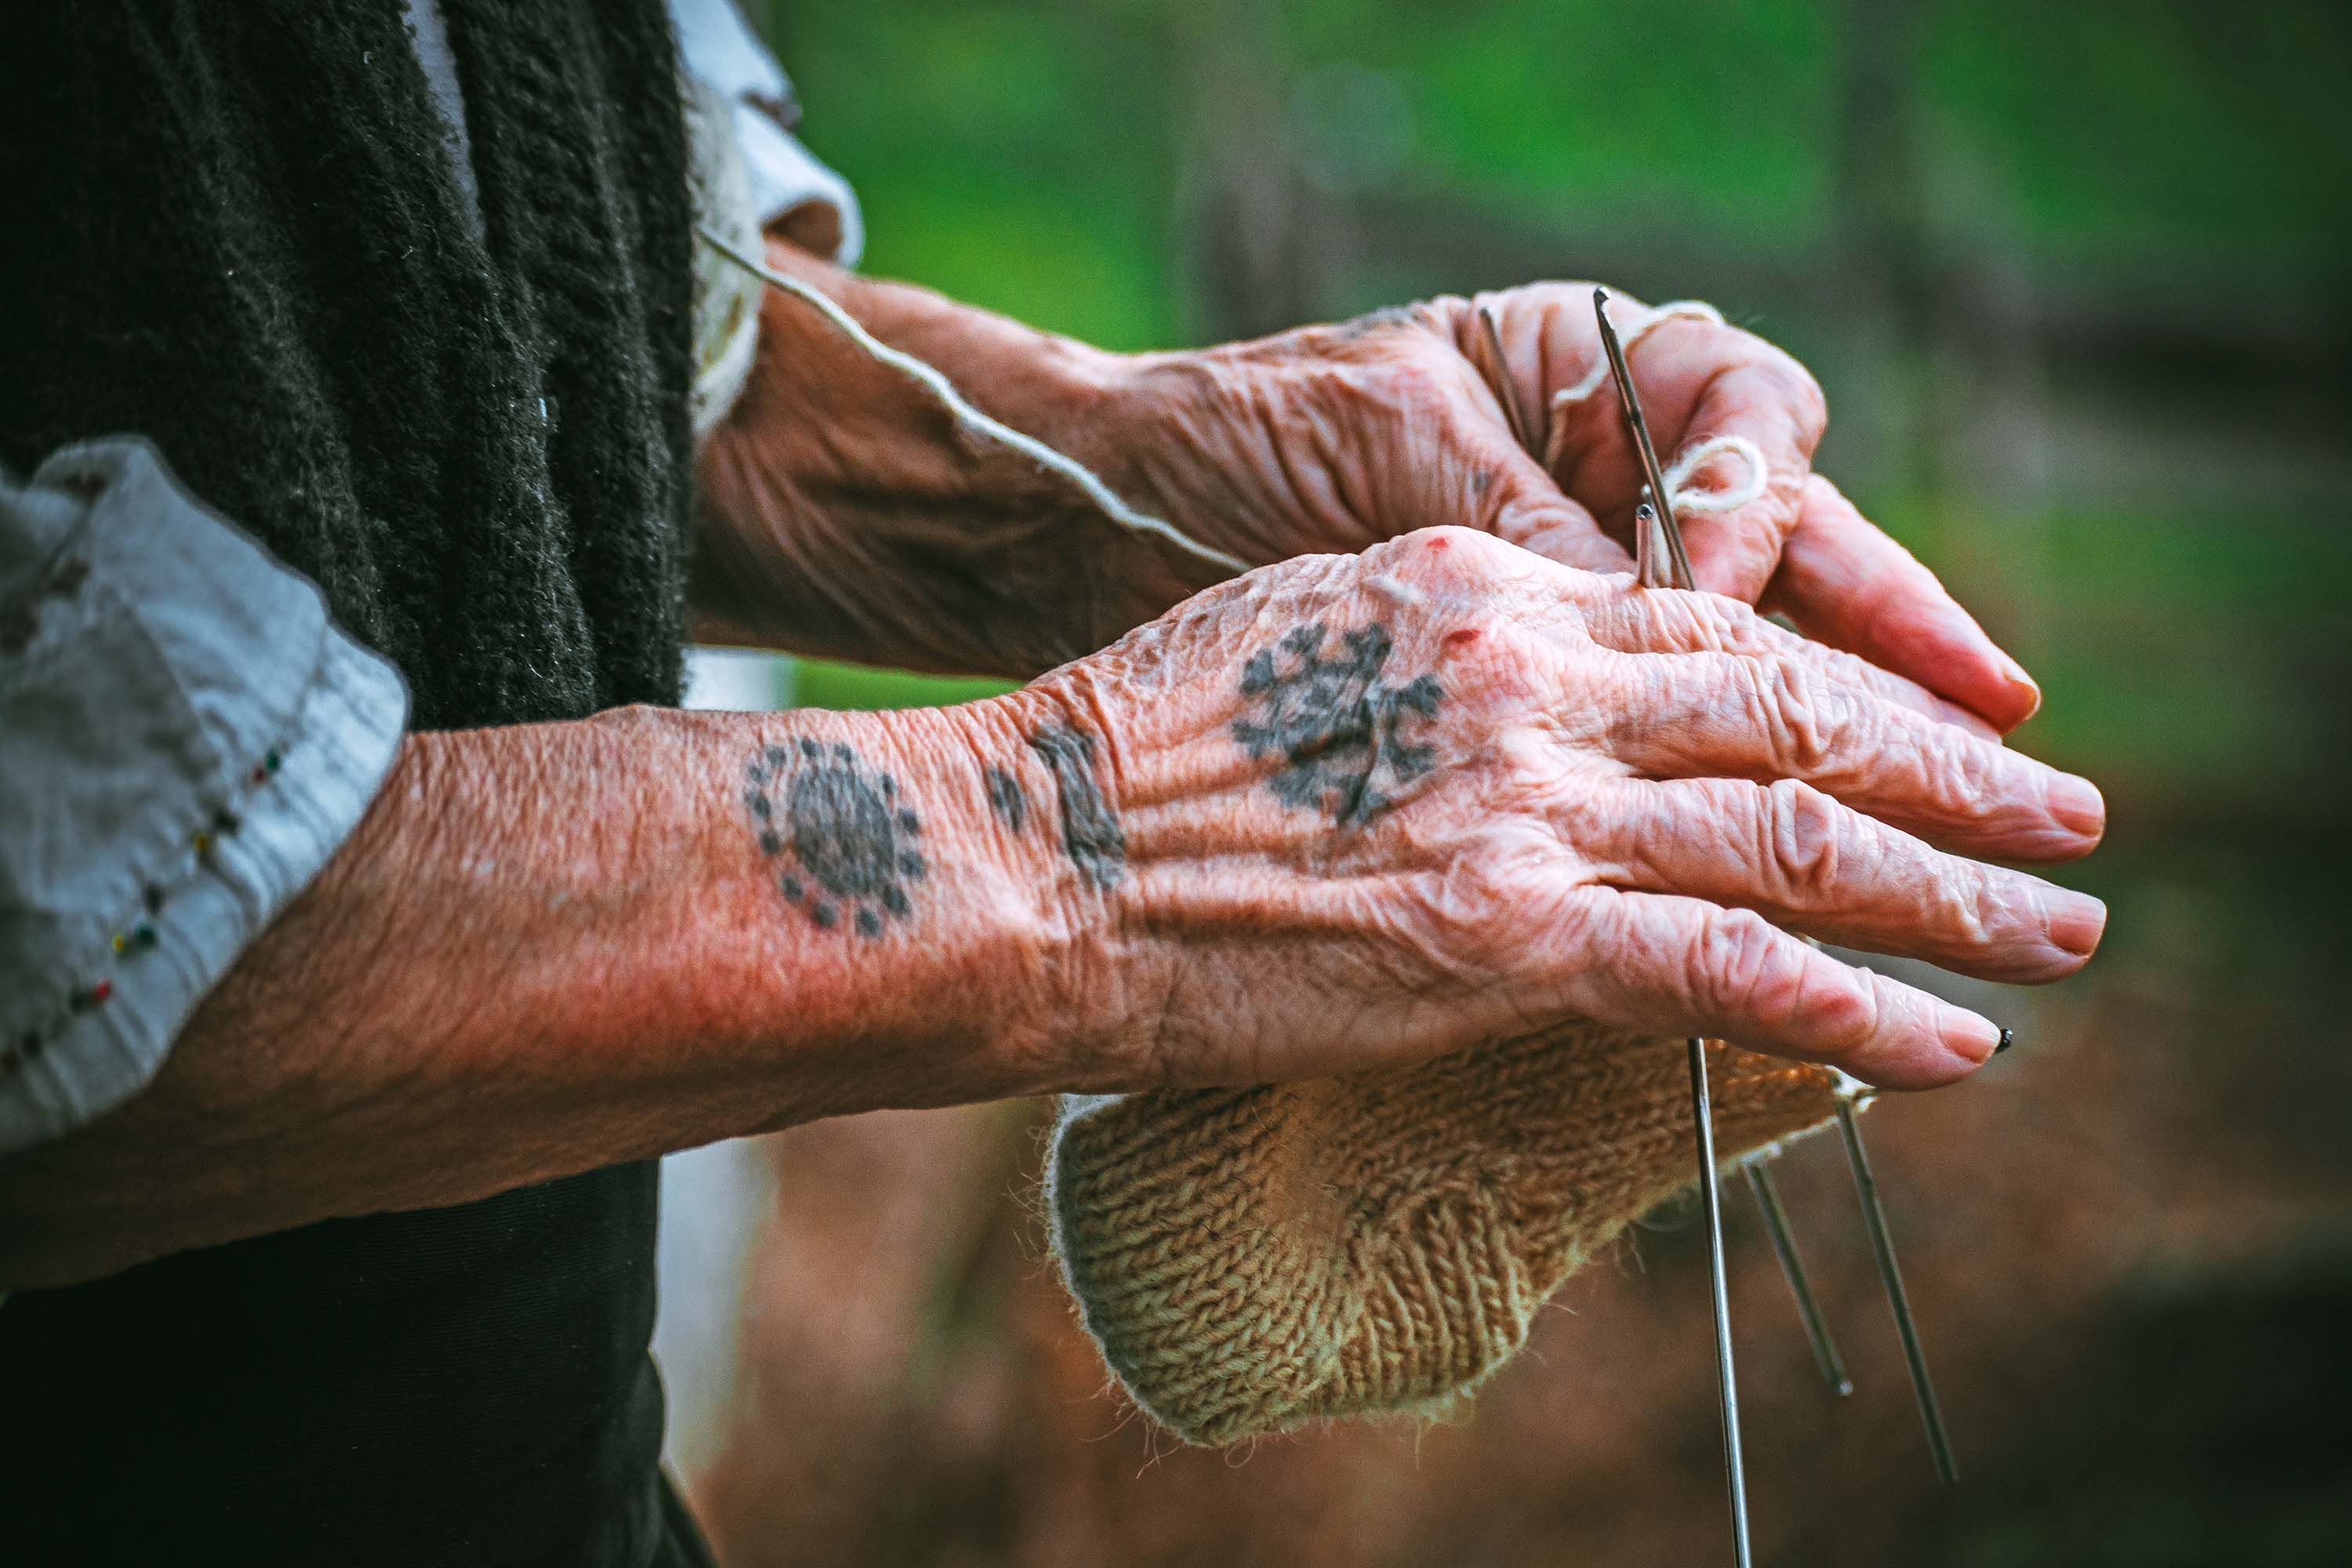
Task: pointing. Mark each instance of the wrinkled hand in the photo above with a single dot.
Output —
(1356, 811)
(1332, 437)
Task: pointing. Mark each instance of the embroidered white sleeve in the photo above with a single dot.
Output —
(185, 736)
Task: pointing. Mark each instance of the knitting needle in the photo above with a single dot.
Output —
(1792, 1268)
(1874, 1215)
(1734, 1469)
(1505, 390)
(1645, 544)
(1883, 1244)
(1630, 402)
(1658, 512)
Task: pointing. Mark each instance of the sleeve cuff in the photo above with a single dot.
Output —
(196, 869)
(345, 732)
(789, 187)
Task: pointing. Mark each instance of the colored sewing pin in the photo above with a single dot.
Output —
(1658, 513)
(1792, 1268)
(1883, 1244)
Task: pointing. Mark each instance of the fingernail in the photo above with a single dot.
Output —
(2008, 1038)
(2015, 672)
(1966, 1035)
(2077, 804)
(2076, 920)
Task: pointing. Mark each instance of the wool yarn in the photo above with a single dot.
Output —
(981, 426)
(1686, 497)
(1251, 1259)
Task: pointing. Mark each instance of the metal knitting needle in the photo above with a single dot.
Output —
(1883, 1244)
(1881, 1240)
(1506, 391)
(1792, 1268)
(1630, 402)
(1658, 512)
(1645, 543)
(1734, 1468)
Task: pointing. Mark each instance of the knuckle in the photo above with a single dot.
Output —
(1801, 830)
(1961, 774)
(1797, 389)
(1426, 556)
(1742, 970)
(1450, 556)
(1723, 623)
(1969, 910)
(1801, 715)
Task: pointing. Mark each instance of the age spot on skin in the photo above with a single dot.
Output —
(1091, 835)
(1334, 722)
(847, 830)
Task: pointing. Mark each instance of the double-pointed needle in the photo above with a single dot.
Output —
(1882, 1242)
(1505, 389)
(1657, 514)
(1792, 1268)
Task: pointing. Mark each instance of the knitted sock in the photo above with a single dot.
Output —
(1253, 1259)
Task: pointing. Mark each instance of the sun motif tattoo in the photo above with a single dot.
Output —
(852, 838)
(1334, 722)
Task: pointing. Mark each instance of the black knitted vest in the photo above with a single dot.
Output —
(233, 226)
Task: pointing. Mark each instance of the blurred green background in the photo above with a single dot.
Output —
(2075, 278)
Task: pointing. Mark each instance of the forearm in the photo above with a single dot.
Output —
(548, 948)
(1039, 381)
(847, 514)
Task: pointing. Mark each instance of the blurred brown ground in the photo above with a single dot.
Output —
(2109, 1237)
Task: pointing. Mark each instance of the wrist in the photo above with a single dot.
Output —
(1043, 767)
(931, 941)
(1055, 388)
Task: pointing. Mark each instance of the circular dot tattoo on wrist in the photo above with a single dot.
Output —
(850, 838)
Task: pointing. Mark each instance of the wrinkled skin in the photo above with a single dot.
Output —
(1586, 801)
(844, 536)
(1334, 438)
(1627, 794)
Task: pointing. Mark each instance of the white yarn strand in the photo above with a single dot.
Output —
(1685, 497)
(971, 418)
(1689, 498)
(1598, 376)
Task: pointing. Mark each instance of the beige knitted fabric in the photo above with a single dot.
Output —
(1253, 1259)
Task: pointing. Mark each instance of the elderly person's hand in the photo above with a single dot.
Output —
(848, 515)
(1331, 438)
(1355, 811)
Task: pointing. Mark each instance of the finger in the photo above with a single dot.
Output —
(1708, 715)
(1667, 965)
(1844, 582)
(1804, 861)
(1654, 621)
(1763, 397)
(1700, 382)
(1516, 502)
